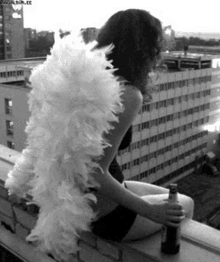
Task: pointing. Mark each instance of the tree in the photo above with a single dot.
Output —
(63, 33)
(39, 47)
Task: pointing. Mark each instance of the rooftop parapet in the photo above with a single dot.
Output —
(199, 242)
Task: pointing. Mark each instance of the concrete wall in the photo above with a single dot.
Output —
(20, 115)
(199, 243)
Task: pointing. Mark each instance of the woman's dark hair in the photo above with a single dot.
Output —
(137, 39)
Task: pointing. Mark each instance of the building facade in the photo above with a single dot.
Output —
(11, 32)
(14, 109)
(29, 34)
(171, 133)
(215, 50)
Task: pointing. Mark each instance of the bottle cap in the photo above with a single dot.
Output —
(173, 188)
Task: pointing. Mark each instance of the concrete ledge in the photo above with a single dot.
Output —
(9, 155)
(199, 242)
(20, 248)
(201, 235)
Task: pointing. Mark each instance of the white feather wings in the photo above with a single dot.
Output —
(72, 102)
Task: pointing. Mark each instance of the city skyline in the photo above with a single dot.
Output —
(189, 16)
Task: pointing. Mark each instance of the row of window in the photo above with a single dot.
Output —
(11, 144)
(164, 135)
(8, 106)
(173, 146)
(162, 151)
(168, 163)
(176, 100)
(9, 128)
(181, 170)
(12, 73)
(186, 82)
(172, 117)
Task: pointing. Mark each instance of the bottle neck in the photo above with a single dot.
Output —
(173, 197)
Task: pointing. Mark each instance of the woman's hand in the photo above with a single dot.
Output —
(163, 212)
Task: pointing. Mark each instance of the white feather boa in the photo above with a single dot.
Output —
(72, 102)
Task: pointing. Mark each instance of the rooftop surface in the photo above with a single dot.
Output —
(192, 56)
(29, 65)
(24, 63)
(205, 190)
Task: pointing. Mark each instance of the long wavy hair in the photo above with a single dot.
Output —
(137, 38)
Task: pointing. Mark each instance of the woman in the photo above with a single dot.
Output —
(129, 210)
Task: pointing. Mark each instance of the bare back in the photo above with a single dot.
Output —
(132, 100)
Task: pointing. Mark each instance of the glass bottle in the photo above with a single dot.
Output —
(170, 243)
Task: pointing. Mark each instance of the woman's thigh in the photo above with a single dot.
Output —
(143, 188)
(143, 227)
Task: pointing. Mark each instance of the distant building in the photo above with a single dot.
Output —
(215, 50)
(11, 32)
(29, 34)
(173, 132)
(89, 34)
(49, 35)
(14, 109)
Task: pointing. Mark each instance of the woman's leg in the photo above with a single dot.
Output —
(143, 227)
(146, 189)
(143, 188)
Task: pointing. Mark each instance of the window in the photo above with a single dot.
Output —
(8, 106)
(8, 48)
(11, 144)
(162, 87)
(9, 128)
(136, 162)
(8, 26)
(3, 74)
(20, 73)
(160, 104)
(170, 85)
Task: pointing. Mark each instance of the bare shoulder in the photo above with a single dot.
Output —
(132, 97)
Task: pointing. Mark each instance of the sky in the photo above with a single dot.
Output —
(185, 16)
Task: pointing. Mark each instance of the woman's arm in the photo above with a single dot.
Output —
(111, 189)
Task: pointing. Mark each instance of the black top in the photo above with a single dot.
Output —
(114, 168)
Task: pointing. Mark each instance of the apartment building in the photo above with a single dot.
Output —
(11, 31)
(214, 50)
(171, 133)
(29, 34)
(14, 109)
(174, 131)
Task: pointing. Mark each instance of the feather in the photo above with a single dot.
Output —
(73, 101)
